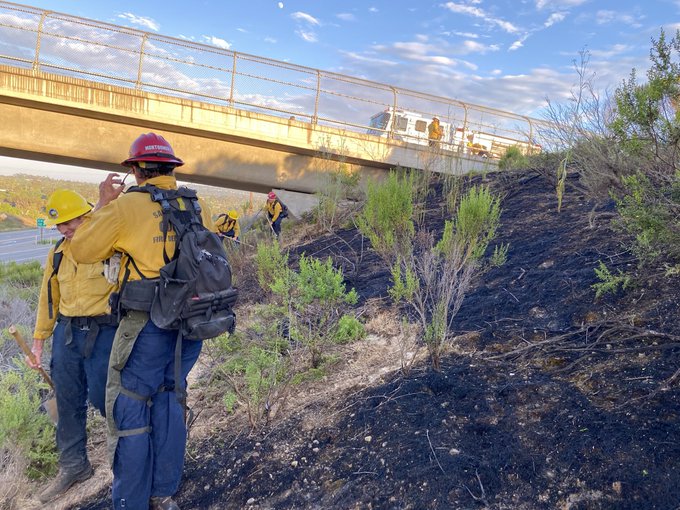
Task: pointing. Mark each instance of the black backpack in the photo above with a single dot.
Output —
(284, 209)
(194, 293)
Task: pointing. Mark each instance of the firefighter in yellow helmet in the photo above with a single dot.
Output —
(227, 225)
(73, 308)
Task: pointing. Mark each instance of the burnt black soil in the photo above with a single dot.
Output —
(559, 400)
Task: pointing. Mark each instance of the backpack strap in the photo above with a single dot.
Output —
(56, 262)
(173, 215)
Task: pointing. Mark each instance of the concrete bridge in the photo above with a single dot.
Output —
(78, 91)
(68, 120)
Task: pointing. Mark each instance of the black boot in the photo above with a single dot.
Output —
(64, 480)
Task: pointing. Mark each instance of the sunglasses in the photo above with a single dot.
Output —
(125, 176)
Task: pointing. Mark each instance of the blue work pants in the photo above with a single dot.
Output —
(276, 226)
(150, 464)
(78, 379)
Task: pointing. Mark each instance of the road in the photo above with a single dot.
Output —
(23, 245)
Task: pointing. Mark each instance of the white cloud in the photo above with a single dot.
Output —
(270, 40)
(357, 57)
(216, 41)
(613, 51)
(346, 16)
(480, 13)
(143, 22)
(467, 35)
(517, 44)
(555, 17)
(303, 16)
(465, 9)
(280, 4)
(558, 4)
(307, 35)
(372, 9)
(604, 17)
(475, 47)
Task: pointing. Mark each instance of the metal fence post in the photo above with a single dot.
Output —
(394, 112)
(233, 81)
(138, 85)
(36, 60)
(315, 117)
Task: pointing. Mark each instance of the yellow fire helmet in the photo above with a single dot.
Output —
(233, 214)
(64, 205)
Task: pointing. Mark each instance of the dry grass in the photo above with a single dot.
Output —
(362, 364)
(17, 492)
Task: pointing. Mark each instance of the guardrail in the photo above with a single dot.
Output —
(48, 41)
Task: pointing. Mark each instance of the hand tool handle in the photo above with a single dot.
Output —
(29, 353)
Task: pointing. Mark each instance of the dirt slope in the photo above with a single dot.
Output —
(549, 399)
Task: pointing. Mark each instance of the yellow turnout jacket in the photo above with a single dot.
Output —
(78, 290)
(131, 224)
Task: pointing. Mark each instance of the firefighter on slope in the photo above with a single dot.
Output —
(147, 430)
(275, 212)
(227, 225)
(73, 308)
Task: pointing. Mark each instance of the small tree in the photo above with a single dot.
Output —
(433, 278)
(647, 130)
(387, 216)
(317, 302)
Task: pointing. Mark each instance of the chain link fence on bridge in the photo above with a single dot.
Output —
(63, 44)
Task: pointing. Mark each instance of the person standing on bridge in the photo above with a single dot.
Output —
(276, 211)
(146, 423)
(434, 133)
(73, 308)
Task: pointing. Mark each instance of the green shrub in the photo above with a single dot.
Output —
(272, 265)
(649, 212)
(24, 274)
(316, 298)
(500, 255)
(350, 329)
(512, 159)
(254, 372)
(387, 216)
(609, 282)
(22, 426)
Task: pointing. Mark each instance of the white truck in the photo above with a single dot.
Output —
(412, 127)
(406, 126)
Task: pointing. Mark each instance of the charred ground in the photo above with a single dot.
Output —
(550, 399)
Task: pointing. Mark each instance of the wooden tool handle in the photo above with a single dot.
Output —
(29, 353)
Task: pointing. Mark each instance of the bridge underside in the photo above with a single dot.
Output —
(66, 120)
(100, 143)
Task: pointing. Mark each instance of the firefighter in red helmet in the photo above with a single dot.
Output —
(276, 211)
(145, 419)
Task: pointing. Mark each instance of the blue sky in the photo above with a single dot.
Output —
(508, 54)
